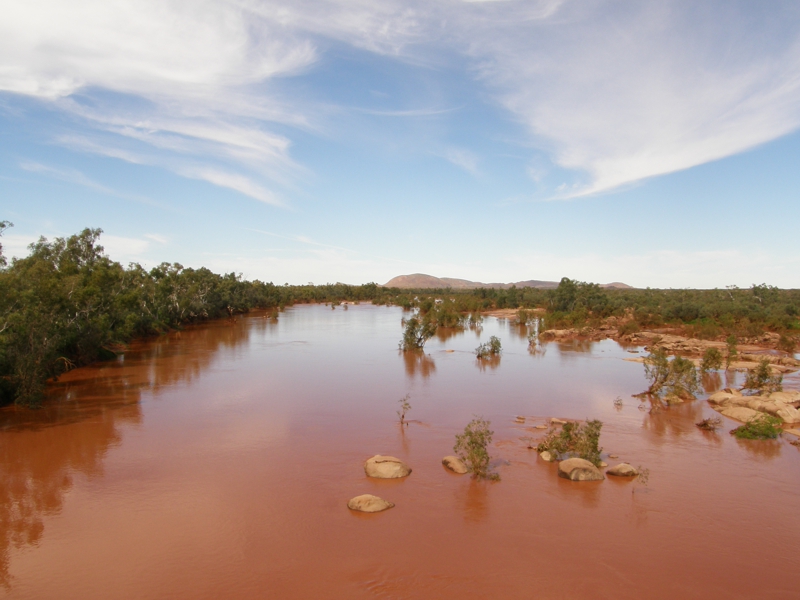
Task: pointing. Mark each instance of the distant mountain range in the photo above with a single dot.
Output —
(422, 281)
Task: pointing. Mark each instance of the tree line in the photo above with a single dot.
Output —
(68, 304)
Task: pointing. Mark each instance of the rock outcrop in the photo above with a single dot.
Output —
(578, 469)
(369, 504)
(386, 467)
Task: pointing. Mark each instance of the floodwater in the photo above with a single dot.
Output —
(217, 462)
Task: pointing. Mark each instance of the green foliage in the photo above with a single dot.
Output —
(405, 406)
(761, 380)
(763, 427)
(573, 439)
(677, 378)
(472, 447)
(628, 328)
(787, 343)
(3, 226)
(417, 331)
(489, 349)
(712, 360)
(732, 350)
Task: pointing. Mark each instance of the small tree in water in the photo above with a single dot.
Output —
(712, 360)
(676, 378)
(405, 406)
(417, 331)
(761, 380)
(472, 447)
(574, 439)
(489, 349)
(733, 352)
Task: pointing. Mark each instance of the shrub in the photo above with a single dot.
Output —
(417, 331)
(732, 353)
(574, 439)
(628, 328)
(405, 406)
(677, 377)
(710, 424)
(787, 343)
(472, 447)
(489, 349)
(764, 427)
(760, 379)
(712, 360)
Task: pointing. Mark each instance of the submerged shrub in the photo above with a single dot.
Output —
(574, 440)
(489, 349)
(763, 427)
(472, 447)
(760, 379)
(417, 331)
(676, 377)
(712, 360)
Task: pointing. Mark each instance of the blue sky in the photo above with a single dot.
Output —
(654, 143)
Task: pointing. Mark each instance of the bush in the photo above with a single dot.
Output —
(712, 360)
(787, 343)
(677, 377)
(417, 331)
(472, 447)
(628, 328)
(760, 379)
(489, 349)
(574, 439)
(733, 352)
(764, 427)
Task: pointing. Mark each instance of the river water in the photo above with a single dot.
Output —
(217, 462)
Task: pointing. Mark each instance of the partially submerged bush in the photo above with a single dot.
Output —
(417, 331)
(763, 427)
(732, 351)
(712, 360)
(489, 349)
(405, 406)
(761, 380)
(787, 343)
(676, 377)
(472, 447)
(574, 440)
(710, 424)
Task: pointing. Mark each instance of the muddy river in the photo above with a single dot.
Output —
(217, 462)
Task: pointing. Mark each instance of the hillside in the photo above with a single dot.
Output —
(422, 281)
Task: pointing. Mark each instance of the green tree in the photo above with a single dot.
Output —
(712, 360)
(676, 377)
(760, 379)
(417, 331)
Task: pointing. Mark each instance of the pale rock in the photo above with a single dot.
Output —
(790, 397)
(546, 456)
(578, 469)
(613, 456)
(789, 414)
(794, 432)
(541, 427)
(369, 504)
(386, 467)
(519, 420)
(622, 470)
(555, 421)
(740, 413)
(603, 464)
(455, 464)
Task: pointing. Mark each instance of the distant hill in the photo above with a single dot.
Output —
(422, 281)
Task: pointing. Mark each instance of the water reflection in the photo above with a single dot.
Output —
(445, 333)
(711, 382)
(418, 363)
(765, 450)
(491, 363)
(473, 500)
(80, 421)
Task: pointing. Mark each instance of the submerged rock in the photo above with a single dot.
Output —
(454, 464)
(555, 421)
(622, 470)
(578, 469)
(546, 456)
(519, 420)
(386, 467)
(369, 504)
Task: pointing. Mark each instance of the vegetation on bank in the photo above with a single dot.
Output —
(67, 304)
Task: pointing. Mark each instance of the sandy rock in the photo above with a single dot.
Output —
(622, 470)
(613, 456)
(603, 464)
(789, 414)
(794, 432)
(519, 420)
(369, 504)
(740, 413)
(721, 398)
(541, 427)
(454, 464)
(578, 469)
(791, 397)
(555, 421)
(546, 456)
(386, 467)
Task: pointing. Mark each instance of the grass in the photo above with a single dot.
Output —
(764, 427)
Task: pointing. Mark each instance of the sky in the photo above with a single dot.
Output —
(654, 143)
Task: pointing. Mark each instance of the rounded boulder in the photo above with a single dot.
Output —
(578, 469)
(369, 504)
(454, 464)
(622, 470)
(386, 467)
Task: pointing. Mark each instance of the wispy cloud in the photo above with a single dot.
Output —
(462, 158)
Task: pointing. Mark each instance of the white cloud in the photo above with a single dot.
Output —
(462, 158)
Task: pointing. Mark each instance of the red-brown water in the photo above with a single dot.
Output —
(217, 462)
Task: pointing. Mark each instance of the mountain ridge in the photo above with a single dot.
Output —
(424, 281)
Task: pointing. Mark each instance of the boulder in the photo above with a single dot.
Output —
(555, 421)
(541, 427)
(386, 467)
(740, 413)
(578, 469)
(622, 470)
(519, 420)
(791, 397)
(546, 456)
(454, 464)
(369, 504)
(794, 432)
(788, 413)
